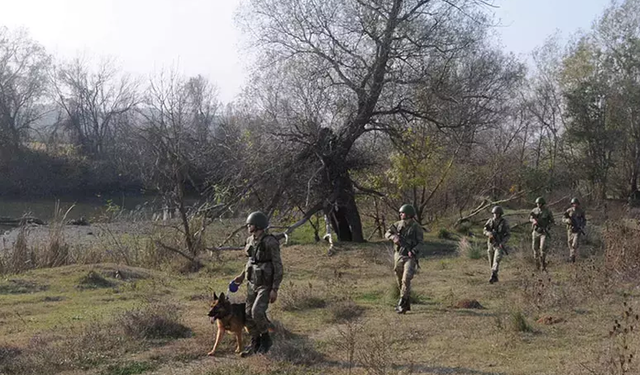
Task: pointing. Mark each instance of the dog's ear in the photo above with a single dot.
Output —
(215, 297)
(222, 296)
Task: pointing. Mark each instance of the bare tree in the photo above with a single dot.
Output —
(95, 102)
(345, 68)
(23, 84)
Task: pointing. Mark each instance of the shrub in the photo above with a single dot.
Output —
(301, 298)
(444, 234)
(344, 311)
(155, 321)
(519, 322)
(94, 280)
(292, 348)
(470, 249)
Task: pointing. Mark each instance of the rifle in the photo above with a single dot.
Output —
(575, 224)
(495, 237)
(405, 248)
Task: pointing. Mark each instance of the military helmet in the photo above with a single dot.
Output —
(408, 209)
(258, 219)
(575, 200)
(540, 200)
(497, 210)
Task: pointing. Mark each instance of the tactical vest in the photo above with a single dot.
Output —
(260, 269)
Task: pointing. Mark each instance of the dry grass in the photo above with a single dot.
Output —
(622, 249)
(333, 316)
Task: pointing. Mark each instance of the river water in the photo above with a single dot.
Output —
(92, 208)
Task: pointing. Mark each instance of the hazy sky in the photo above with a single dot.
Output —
(199, 36)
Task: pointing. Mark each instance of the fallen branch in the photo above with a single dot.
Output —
(173, 249)
(485, 204)
(16, 222)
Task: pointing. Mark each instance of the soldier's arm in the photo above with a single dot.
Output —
(276, 260)
(391, 232)
(487, 231)
(532, 217)
(419, 238)
(566, 218)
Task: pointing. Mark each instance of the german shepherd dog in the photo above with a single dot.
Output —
(229, 317)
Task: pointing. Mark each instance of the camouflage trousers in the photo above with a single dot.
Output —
(256, 309)
(404, 268)
(539, 245)
(494, 254)
(573, 240)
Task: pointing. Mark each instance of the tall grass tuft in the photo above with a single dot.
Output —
(56, 251)
(469, 249)
(519, 322)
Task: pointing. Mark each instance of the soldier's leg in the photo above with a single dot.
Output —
(251, 298)
(543, 251)
(497, 257)
(250, 322)
(574, 241)
(407, 276)
(259, 310)
(404, 304)
(535, 245)
(490, 255)
(398, 269)
(570, 241)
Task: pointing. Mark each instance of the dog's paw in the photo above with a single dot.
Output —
(211, 353)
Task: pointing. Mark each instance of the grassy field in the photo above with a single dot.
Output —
(334, 315)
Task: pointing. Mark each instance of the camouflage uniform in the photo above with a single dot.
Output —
(264, 273)
(575, 219)
(497, 229)
(405, 266)
(540, 232)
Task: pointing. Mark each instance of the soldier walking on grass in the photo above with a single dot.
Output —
(407, 237)
(264, 275)
(575, 219)
(541, 219)
(498, 233)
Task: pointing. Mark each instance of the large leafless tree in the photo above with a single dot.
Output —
(334, 70)
(96, 102)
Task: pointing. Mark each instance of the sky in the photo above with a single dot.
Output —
(200, 36)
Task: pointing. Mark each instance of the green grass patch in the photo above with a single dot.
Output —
(19, 286)
(94, 280)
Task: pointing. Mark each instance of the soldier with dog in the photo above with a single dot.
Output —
(263, 272)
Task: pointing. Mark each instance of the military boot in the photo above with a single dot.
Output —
(399, 305)
(403, 306)
(252, 348)
(494, 277)
(538, 264)
(265, 343)
(572, 258)
(543, 263)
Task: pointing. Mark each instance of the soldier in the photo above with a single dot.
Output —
(406, 234)
(541, 219)
(264, 275)
(575, 219)
(497, 229)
